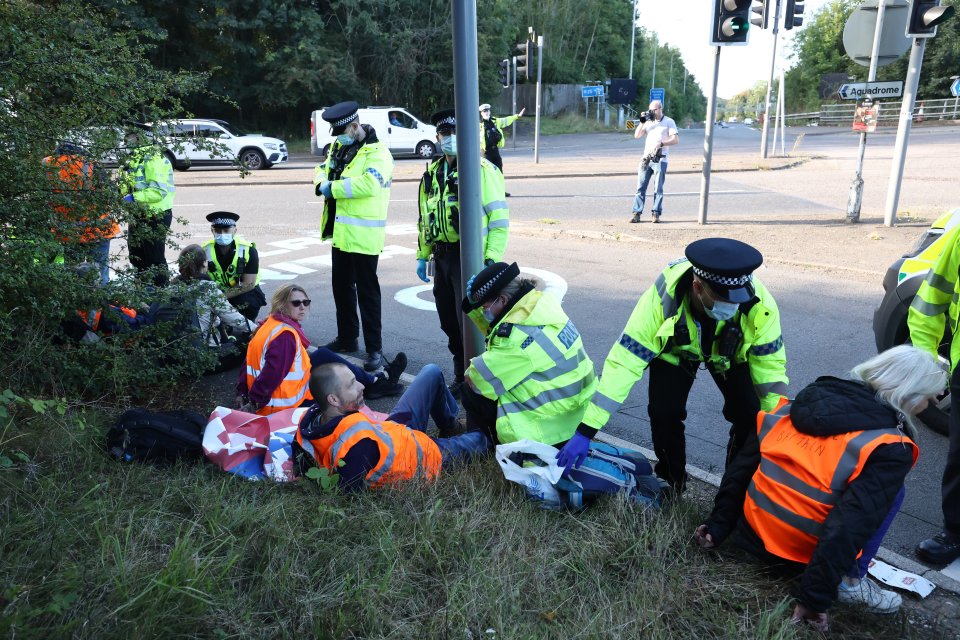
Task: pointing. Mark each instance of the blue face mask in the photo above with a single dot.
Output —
(448, 144)
(223, 239)
(721, 310)
(488, 316)
(345, 139)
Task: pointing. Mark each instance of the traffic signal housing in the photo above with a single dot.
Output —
(924, 16)
(793, 14)
(524, 59)
(762, 19)
(731, 22)
(503, 71)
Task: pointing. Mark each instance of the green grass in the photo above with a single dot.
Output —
(572, 123)
(93, 548)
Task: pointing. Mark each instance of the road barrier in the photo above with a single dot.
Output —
(840, 115)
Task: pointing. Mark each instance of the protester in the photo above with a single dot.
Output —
(819, 481)
(212, 308)
(368, 453)
(661, 133)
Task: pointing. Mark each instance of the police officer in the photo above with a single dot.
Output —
(535, 379)
(355, 183)
(707, 308)
(233, 263)
(491, 134)
(439, 226)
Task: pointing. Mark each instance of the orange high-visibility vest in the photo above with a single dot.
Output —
(71, 173)
(405, 453)
(295, 387)
(95, 313)
(801, 478)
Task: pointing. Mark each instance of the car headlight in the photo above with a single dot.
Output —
(270, 145)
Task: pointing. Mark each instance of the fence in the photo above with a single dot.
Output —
(557, 98)
(839, 115)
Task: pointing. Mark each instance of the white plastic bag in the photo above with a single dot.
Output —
(537, 476)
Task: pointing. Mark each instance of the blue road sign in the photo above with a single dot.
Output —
(657, 93)
(594, 91)
(955, 88)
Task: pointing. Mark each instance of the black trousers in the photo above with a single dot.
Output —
(951, 472)
(447, 293)
(493, 155)
(355, 281)
(669, 389)
(147, 245)
(249, 303)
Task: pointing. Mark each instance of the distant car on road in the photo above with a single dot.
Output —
(900, 284)
(733, 120)
(183, 150)
(748, 121)
(403, 133)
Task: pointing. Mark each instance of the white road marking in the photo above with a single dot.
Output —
(410, 296)
(312, 264)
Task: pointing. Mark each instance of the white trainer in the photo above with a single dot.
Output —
(867, 593)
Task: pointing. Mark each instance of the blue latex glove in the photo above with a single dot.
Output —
(324, 190)
(573, 453)
(128, 198)
(422, 269)
(470, 288)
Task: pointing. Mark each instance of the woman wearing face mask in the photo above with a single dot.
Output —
(234, 264)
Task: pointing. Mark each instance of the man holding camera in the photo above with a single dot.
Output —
(661, 132)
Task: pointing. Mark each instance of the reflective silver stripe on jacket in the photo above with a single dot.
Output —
(542, 341)
(360, 222)
(607, 404)
(806, 525)
(348, 188)
(295, 374)
(940, 283)
(572, 390)
(488, 376)
(666, 300)
(490, 207)
(778, 387)
(927, 308)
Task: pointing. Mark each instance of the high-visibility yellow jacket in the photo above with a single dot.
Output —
(936, 302)
(499, 124)
(440, 211)
(229, 277)
(536, 369)
(148, 175)
(652, 329)
(362, 194)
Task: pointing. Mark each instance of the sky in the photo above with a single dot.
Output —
(685, 25)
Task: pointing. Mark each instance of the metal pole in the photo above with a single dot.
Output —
(653, 77)
(536, 133)
(708, 139)
(467, 97)
(513, 133)
(773, 62)
(855, 200)
(783, 114)
(666, 95)
(633, 39)
(903, 131)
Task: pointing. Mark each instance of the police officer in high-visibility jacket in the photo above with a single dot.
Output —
(439, 227)
(491, 134)
(147, 179)
(819, 480)
(234, 264)
(535, 379)
(355, 183)
(707, 308)
(934, 304)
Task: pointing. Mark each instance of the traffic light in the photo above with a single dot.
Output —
(762, 19)
(524, 59)
(924, 17)
(731, 22)
(503, 70)
(793, 16)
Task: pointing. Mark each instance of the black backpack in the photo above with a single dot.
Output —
(153, 436)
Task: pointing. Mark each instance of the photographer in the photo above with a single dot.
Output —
(661, 133)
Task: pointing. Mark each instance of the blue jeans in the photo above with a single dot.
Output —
(428, 397)
(325, 356)
(871, 546)
(643, 179)
(95, 252)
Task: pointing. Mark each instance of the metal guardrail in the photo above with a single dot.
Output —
(833, 115)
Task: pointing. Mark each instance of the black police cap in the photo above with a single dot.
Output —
(223, 218)
(445, 121)
(726, 266)
(340, 115)
(488, 284)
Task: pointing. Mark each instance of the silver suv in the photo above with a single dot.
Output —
(205, 143)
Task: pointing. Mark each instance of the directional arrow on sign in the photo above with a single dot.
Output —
(955, 88)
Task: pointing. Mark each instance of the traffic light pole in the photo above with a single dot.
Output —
(467, 96)
(708, 139)
(903, 131)
(536, 131)
(513, 133)
(773, 64)
(856, 187)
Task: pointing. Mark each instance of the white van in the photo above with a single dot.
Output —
(403, 133)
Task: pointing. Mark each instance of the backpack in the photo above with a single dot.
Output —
(152, 436)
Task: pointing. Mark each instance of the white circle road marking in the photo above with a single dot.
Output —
(411, 295)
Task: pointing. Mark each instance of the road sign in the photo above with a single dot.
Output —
(857, 90)
(860, 27)
(593, 91)
(657, 94)
(955, 88)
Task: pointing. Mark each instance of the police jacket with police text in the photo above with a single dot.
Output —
(662, 326)
(440, 209)
(827, 409)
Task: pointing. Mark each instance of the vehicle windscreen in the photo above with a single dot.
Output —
(233, 129)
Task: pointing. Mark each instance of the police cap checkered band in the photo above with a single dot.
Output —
(222, 218)
(444, 120)
(490, 282)
(340, 115)
(727, 281)
(342, 122)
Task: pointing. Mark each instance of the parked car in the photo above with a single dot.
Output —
(900, 284)
(748, 121)
(402, 132)
(183, 149)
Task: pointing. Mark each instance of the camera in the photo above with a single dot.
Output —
(645, 115)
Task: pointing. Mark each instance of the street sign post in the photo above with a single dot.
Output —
(861, 27)
(594, 91)
(857, 90)
(657, 93)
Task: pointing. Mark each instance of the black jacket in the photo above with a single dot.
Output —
(827, 407)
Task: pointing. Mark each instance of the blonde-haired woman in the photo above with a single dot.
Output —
(815, 489)
(278, 363)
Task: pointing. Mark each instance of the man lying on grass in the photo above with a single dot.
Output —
(366, 453)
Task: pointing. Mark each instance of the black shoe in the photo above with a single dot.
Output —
(656, 219)
(374, 361)
(455, 387)
(942, 548)
(635, 218)
(457, 427)
(395, 369)
(342, 346)
(382, 388)
(506, 194)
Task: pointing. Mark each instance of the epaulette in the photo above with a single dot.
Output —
(503, 331)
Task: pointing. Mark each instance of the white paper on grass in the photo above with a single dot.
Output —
(537, 480)
(900, 579)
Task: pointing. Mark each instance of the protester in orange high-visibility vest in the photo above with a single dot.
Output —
(817, 486)
(84, 233)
